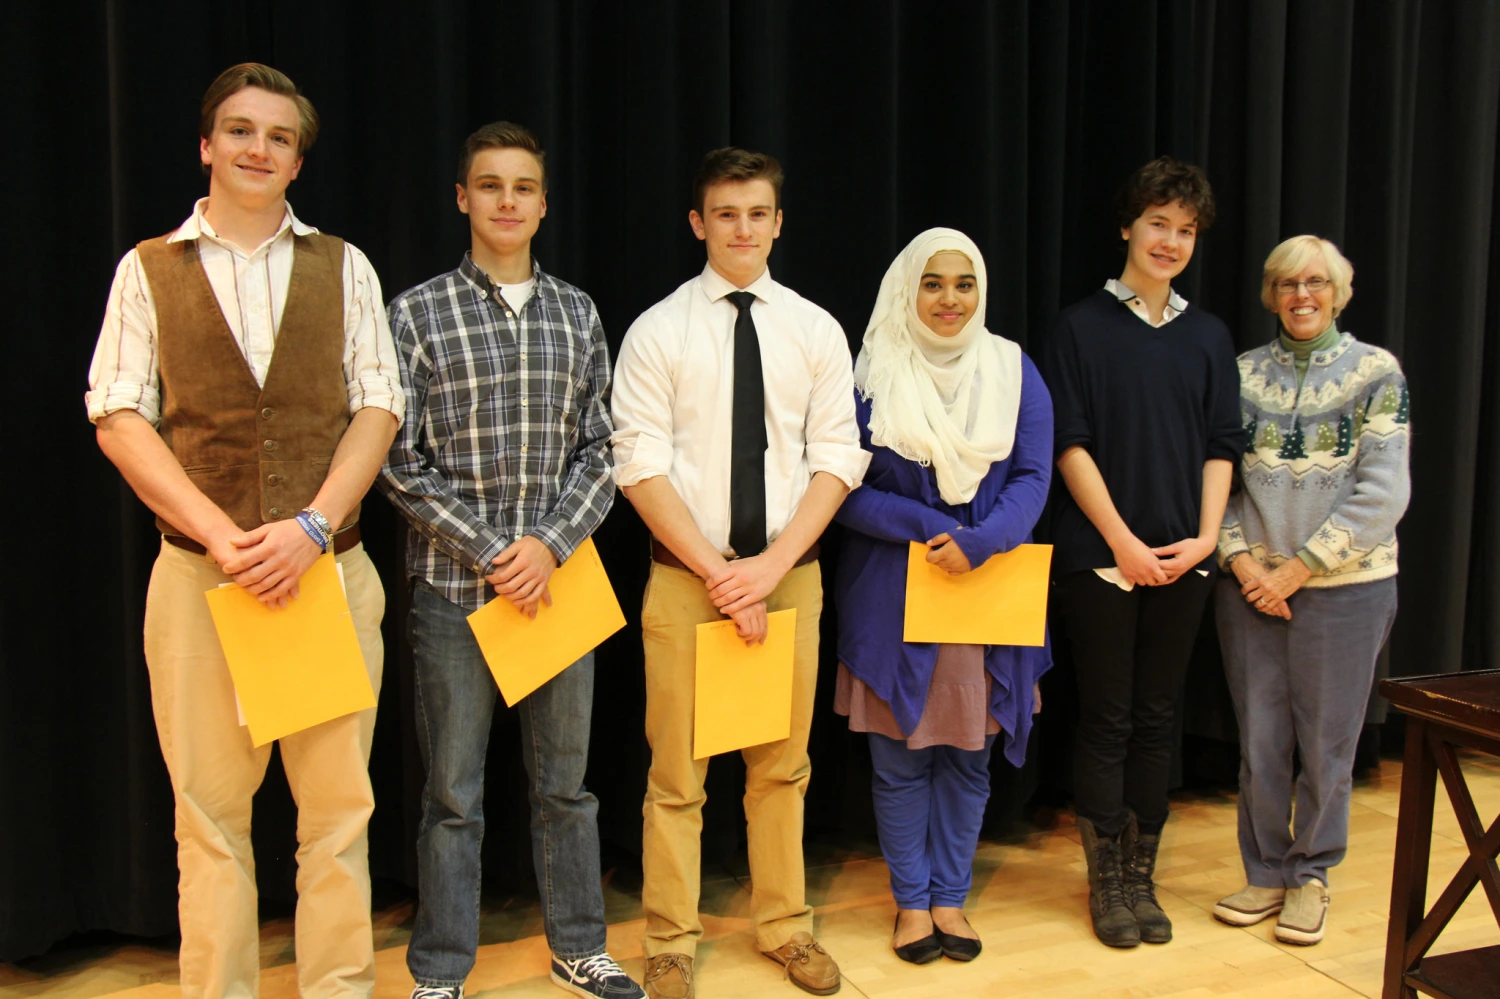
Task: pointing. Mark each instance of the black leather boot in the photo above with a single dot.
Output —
(1138, 854)
(1114, 923)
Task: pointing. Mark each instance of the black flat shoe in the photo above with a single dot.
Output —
(957, 948)
(923, 951)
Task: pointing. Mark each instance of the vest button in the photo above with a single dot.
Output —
(267, 413)
(273, 480)
(275, 513)
(269, 445)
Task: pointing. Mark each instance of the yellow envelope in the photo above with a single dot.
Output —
(742, 696)
(523, 653)
(1003, 602)
(295, 667)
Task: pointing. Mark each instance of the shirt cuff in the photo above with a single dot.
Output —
(1331, 545)
(142, 399)
(639, 459)
(1231, 542)
(1313, 563)
(378, 393)
(556, 540)
(846, 462)
(485, 563)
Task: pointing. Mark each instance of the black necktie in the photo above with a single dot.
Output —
(747, 462)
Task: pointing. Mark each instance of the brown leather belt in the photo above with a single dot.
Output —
(342, 541)
(661, 553)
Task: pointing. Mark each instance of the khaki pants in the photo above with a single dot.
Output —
(215, 770)
(676, 602)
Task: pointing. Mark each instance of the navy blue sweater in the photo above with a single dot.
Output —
(1150, 405)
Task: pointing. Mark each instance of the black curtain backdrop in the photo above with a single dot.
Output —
(1372, 123)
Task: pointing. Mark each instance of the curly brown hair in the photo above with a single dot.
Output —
(1161, 182)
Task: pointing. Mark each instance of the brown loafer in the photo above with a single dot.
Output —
(669, 976)
(807, 964)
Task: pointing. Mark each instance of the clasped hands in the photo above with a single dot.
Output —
(268, 561)
(1146, 566)
(521, 574)
(740, 588)
(1266, 589)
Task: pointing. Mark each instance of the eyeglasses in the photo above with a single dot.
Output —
(1313, 286)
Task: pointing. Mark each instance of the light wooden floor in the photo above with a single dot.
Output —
(1029, 904)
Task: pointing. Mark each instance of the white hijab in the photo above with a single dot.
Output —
(948, 402)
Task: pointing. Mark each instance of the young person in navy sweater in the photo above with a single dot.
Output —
(1147, 427)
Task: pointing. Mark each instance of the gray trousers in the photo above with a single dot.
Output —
(1302, 683)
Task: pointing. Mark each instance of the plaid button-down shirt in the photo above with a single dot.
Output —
(507, 428)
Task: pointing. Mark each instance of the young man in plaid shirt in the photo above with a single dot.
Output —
(502, 470)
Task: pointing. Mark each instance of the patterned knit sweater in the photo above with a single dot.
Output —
(1326, 472)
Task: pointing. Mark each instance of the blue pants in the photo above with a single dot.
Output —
(929, 804)
(455, 702)
(1303, 683)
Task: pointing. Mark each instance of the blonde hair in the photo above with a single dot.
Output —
(1293, 256)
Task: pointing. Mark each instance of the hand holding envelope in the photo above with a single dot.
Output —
(1002, 602)
(525, 650)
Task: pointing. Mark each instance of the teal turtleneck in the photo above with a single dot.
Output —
(1303, 350)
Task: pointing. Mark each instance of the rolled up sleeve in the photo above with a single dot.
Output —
(641, 445)
(124, 373)
(372, 370)
(832, 432)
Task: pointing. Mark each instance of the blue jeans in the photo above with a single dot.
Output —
(454, 706)
(929, 805)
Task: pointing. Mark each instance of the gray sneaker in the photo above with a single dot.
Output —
(1305, 914)
(1249, 905)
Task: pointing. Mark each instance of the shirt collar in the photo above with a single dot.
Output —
(1176, 304)
(197, 225)
(716, 285)
(476, 276)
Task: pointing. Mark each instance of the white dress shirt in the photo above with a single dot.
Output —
(251, 289)
(674, 399)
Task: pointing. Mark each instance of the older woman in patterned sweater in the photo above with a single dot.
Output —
(1311, 540)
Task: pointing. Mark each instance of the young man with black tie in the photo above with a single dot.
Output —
(735, 440)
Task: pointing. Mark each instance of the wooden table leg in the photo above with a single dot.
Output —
(1413, 849)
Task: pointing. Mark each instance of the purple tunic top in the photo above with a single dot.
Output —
(899, 503)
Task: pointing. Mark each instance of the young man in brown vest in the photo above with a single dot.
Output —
(246, 385)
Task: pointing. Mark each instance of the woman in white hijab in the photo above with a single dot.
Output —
(959, 425)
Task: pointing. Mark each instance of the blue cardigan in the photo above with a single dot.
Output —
(899, 503)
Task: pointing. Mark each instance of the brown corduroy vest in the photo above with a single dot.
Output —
(260, 452)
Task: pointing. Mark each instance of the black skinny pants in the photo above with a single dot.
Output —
(1130, 653)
